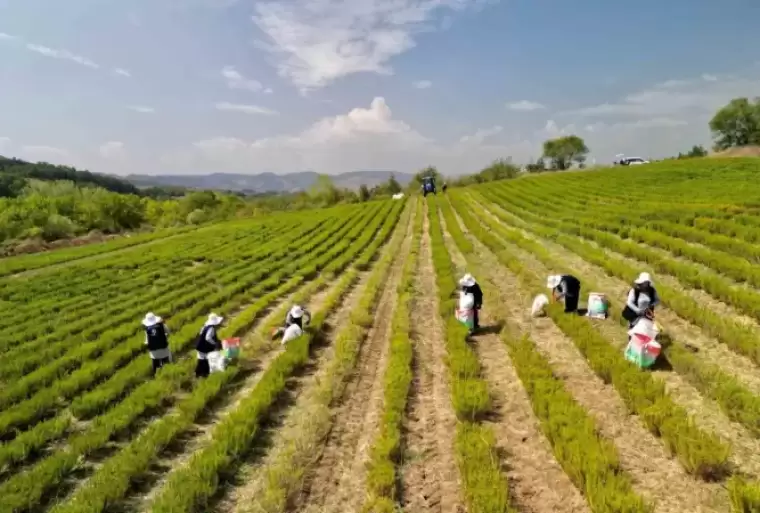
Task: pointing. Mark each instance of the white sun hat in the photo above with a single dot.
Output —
(151, 319)
(643, 278)
(467, 280)
(296, 312)
(553, 281)
(214, 320)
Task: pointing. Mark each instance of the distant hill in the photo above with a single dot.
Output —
(266, 182)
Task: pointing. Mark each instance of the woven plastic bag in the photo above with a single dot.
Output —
(465, 313)
(539, 305)
(597, 305)
(216, 361)
(291, 333)
(643, 348)
(231, 348)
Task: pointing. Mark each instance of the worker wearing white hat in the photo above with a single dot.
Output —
(296, 315)
(642, 298)
(207, 342)
(157, 340)
(565, 287)
(469, 285)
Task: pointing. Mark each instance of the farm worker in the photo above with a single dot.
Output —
(470, 286)
(208, 342)
(642, 298)
(567, 287)
(295, 316)
(157, 340)
(445, 186)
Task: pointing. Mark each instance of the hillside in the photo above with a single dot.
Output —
(266, 182)
(386, 402)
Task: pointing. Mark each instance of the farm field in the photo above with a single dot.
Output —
(385, 404)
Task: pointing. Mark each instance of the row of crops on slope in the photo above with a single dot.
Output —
(83, 359)
(616, 227)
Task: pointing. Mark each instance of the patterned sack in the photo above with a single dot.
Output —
(231, 348)
(643, 348)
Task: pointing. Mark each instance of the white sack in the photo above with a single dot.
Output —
(466, 301)
(539, 303)
(291, 333)
(216, 361)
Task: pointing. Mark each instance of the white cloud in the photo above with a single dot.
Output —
(235, 80)
(122, 72)
(112, 150)
(709, 78)
(363, 138)
(3, 35)
(142, 109)
(481, 135)
(61, 54)
(319, 41)
(247, 109)
(422, 84)
(525, 105)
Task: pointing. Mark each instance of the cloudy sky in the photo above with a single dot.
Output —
(198, 86)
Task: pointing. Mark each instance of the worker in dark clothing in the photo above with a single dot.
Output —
(470, 286)
(157, 340)
(444, 187)
(207, 342)
(567, 287)
(641, 300)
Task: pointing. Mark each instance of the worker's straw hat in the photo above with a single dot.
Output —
(214, 320)
(467, 280)
(553, 281)
(644, 278)
(296, 312)
(151, 319)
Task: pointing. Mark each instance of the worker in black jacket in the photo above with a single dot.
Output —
(567, 287)
(470, 286)
(157, 340)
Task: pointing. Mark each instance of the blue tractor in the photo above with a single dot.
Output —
(428, 185)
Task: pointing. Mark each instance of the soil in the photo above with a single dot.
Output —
(429, 475)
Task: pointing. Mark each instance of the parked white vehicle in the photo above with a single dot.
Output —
(631, 161)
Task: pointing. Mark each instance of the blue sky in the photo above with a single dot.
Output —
(197, 86)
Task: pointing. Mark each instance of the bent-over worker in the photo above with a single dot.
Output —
(297, 315)
(642, 298)
(567, 287)
(207, 342)
(470, 286)
(157, 340)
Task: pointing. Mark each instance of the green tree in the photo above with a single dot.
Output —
(736, 124)
(363, 193)
(696, 151)
(393, 186)
(563, 152)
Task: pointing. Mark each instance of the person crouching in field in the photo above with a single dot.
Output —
(296, 315)
(157, 340)
(470, 286)
(642, 298)
(208, 342)
(567, 287)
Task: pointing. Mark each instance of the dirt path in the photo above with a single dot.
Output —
(429, 475)
(337, 482)
(654, 472)
(537, 482)
(706, 412)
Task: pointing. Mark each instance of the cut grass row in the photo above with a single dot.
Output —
(25, 490)
(113, 479)
(484, 487)
(700, 453)
(386, 450)
(738, 337)
(591, 462)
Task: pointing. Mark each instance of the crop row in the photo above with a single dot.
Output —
(66, 293)
(238, 286)
(591, 462)
(484, 487)
(385, 453)
(193, 298)
(740, 338)
(700, 453)
(191, 486)
(28, 488)
(112, 480)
